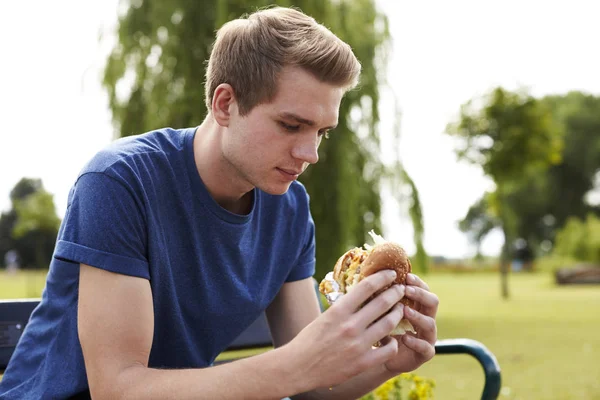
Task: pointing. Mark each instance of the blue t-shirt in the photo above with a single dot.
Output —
(140, 208)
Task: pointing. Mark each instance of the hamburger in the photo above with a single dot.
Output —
(358, 263)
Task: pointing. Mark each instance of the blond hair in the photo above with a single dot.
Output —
(249, 53)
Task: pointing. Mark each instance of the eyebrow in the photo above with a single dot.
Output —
(304, 121)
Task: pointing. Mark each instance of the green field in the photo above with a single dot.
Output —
(546, 338)
(22, 284)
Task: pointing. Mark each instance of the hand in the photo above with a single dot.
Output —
(338, 344)
(415, 350)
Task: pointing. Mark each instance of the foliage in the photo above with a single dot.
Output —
(7, 243)
(579, 240)
(420, 261)
(154, 77)
(36, 212)
(545, 201)
(542, 202)
(24, 188)
(578, 115)
(511, 135)
(31, 226)
(479, 221)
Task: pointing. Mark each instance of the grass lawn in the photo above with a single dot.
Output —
(546, 338)
(22, 284)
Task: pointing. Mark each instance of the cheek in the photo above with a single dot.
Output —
(266, 143)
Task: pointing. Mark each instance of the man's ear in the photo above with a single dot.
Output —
(223, 104)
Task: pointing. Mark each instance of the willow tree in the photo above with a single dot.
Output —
(155, 77)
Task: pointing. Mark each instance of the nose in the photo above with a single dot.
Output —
(306, 149)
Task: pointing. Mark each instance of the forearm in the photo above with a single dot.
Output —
(351, 389)
(260, 377)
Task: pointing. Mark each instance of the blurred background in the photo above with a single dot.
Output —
(473, 140)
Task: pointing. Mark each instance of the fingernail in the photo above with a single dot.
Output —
(410, 278)
(393, 274)
(408, 311)
(410, 290)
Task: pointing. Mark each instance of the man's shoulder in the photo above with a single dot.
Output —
(129, 149)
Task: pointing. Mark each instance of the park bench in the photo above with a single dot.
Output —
(14, 315)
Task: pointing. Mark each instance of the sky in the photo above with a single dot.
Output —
(54, 114)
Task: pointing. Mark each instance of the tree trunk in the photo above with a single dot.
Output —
(505, 253)
(505, 266)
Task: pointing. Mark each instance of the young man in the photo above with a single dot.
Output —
(174, 241)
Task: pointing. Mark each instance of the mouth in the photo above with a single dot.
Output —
(289, 174)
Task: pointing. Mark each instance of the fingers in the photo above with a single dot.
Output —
(414, 280)
(382, 327)
(379, 355)
(380, 305)
(423, 324)
(367, 288)
(427, 302)
(423, 347)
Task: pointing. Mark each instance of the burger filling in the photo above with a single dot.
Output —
(351, 267)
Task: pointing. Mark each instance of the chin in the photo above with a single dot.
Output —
(273, 186)
(275, 190)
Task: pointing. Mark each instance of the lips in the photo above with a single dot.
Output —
(290, 171)
(289, 174)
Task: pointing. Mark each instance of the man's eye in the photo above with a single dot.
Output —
(291, 128)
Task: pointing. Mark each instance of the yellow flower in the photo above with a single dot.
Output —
(384, 391)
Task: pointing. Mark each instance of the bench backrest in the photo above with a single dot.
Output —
(14, 315)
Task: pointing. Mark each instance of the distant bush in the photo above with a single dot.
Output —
(552, 263)
(577, 242)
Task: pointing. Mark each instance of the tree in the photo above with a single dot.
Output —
(31, 226)
(512, 137)
(22, 189)
(578, 115)
(7, 243)
(154, 77)
(36, 215)
(479, 222)
(543, 202)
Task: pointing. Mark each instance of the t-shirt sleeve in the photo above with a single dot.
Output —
(105, 226)
(305, 267)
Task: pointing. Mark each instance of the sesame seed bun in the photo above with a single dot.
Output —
(358, 263)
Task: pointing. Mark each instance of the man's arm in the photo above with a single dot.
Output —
(116, 326)
(115, 323)
(295, 307)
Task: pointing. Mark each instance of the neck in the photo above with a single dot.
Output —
(221, 179)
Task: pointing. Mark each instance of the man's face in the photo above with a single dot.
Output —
(274, 143)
